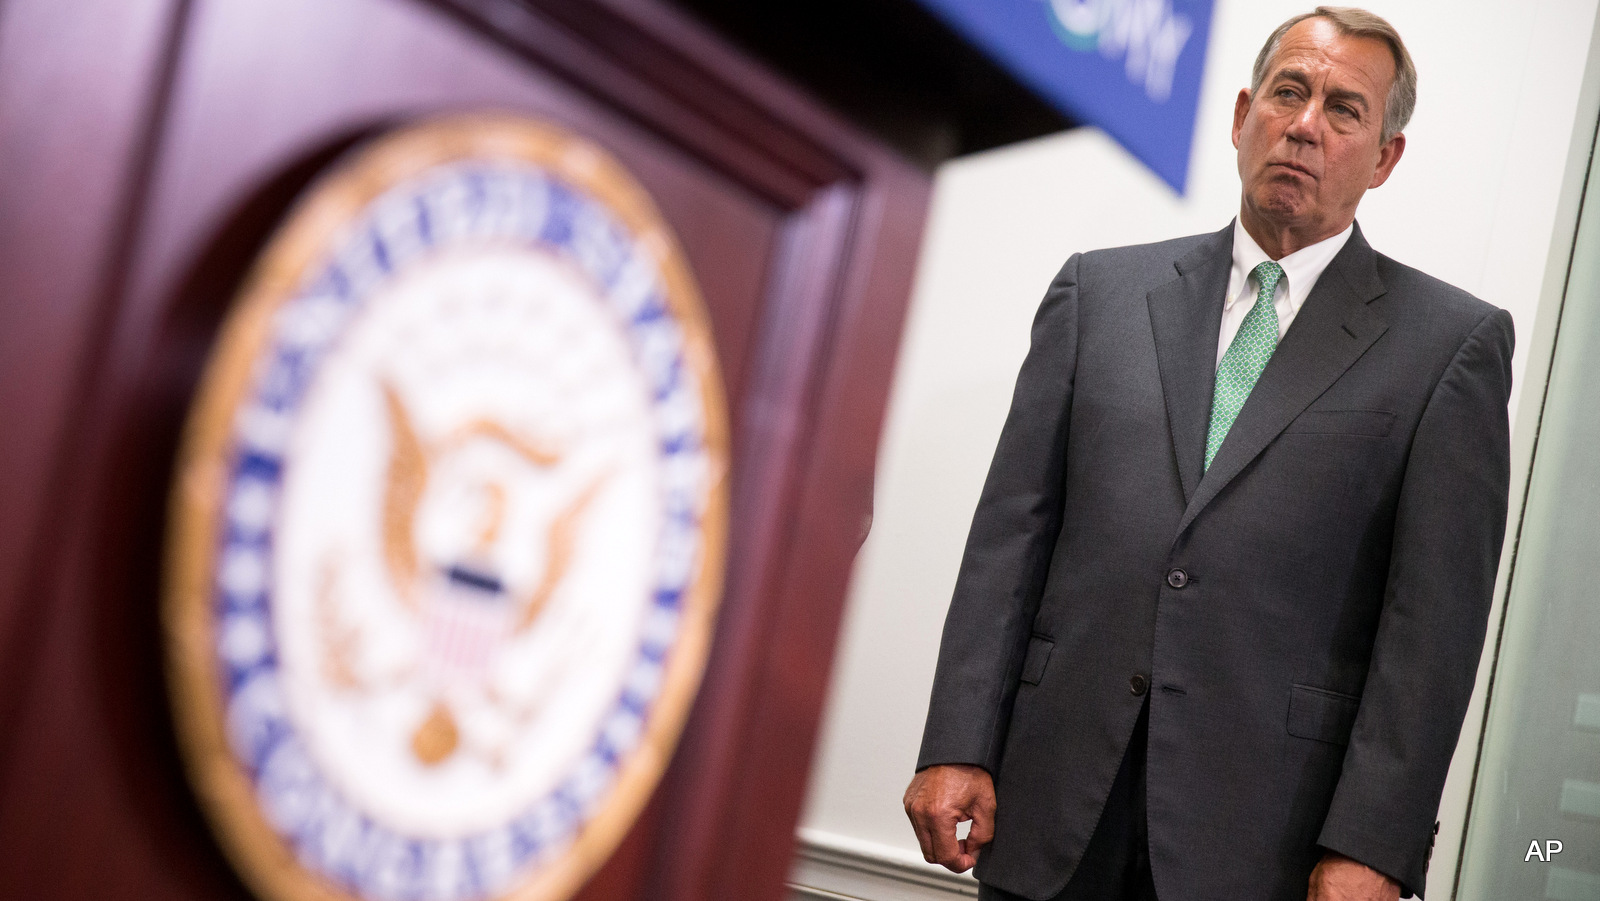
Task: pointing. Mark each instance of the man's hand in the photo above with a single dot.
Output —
(937, 799)
(1338, 878)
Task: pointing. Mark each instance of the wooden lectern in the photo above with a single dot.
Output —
(148, 148)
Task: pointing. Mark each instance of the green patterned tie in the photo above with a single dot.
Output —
(1246, 357)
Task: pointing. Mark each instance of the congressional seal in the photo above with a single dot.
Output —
(448, 524)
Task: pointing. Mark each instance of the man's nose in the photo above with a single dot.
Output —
(1306, 126)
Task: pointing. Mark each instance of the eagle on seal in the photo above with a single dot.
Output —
(465, 606)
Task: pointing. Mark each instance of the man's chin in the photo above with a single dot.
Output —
(1282, 209)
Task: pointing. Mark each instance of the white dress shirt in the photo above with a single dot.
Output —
(1301, 270)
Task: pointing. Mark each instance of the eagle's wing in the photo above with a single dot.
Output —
(563, 536)
(535, 452)
(406, 477)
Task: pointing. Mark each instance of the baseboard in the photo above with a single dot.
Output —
(831, 867)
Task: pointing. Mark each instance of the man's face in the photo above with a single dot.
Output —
(1308, 140)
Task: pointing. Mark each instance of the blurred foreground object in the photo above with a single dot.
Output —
(148, 152)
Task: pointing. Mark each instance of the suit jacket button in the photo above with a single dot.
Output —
(1177, 578)
(1138, 684)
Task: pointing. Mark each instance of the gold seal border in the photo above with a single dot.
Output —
(318, 220)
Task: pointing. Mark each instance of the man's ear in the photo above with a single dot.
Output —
(1388, 155)
(1241, 106)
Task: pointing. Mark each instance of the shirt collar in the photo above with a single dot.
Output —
(1301, 269)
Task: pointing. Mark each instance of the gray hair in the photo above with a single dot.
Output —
(1352, 22)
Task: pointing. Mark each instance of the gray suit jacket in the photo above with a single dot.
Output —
(1304, 618)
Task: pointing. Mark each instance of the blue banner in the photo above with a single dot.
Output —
(1131, 67)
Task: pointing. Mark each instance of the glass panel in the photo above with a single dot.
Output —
(1534, 830)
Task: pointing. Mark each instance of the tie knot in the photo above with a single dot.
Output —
(1267, 275)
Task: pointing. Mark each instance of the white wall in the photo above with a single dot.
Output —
(1484, 198)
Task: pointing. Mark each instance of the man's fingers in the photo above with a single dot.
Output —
(936, 834)
(946, 849)
(924, 839)
(914, 813)
(919, 825)
(967, 859)
(982, 829)
(982, 812)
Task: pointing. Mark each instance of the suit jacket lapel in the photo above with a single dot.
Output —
(1186, 318)
(1334, 327)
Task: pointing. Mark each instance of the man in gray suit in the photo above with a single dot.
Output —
(1224, 595)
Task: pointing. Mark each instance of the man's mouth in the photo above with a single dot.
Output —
(1293, 167)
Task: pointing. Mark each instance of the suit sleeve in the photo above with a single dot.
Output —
(1008, 548)
(1448, 530)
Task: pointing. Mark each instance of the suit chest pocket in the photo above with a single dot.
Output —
(1322, 715)
(1371, 423)
(1038, 655)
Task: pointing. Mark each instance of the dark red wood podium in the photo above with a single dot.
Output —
(147, 150)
